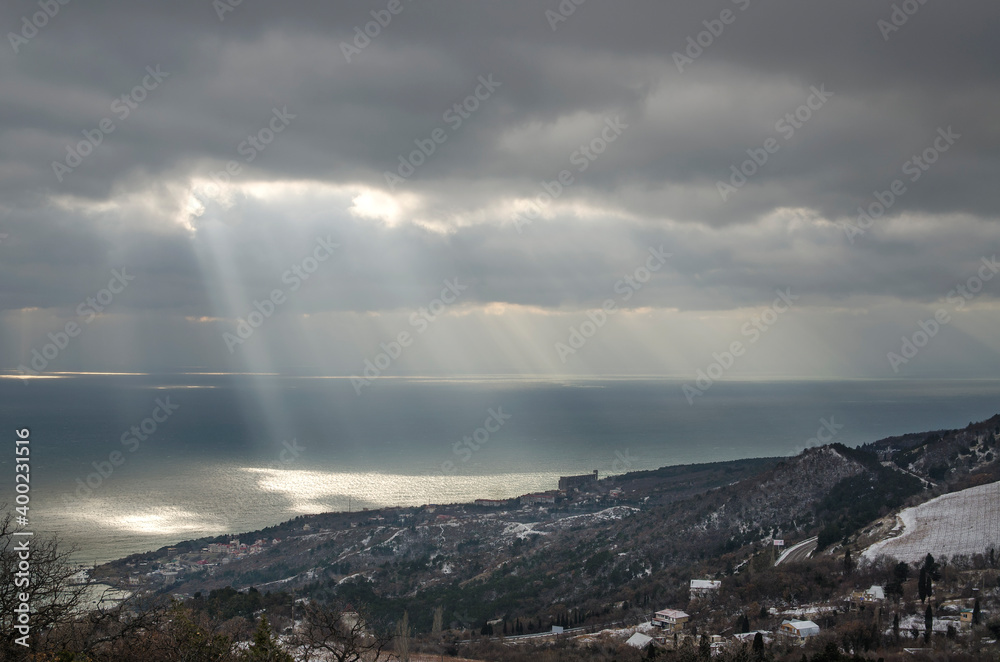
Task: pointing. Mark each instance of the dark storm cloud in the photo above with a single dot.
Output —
(352, 120)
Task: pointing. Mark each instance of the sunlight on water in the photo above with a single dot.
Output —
(209, 501)
(314, 491)
(214, 468)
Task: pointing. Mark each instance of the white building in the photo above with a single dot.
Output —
(875, 594)
(703, 588)
(800, 630)
(639, 640)
(748, 637)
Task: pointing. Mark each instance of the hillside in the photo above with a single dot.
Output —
(627, 542)
(947, 456)
(965, 522)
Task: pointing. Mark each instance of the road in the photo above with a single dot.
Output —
(798, 552)
(538, 635)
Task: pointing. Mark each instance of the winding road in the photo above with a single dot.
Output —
(798, 552)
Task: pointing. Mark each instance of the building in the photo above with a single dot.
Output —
(748, 637)
(492, 503)
(529, 499)
(965, 616)
(567, 483)
(871, 595)
(672, 620)
(639, 640)
(800, 630)
(703, 588)
(874, 594)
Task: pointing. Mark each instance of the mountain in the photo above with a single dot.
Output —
(622, 542)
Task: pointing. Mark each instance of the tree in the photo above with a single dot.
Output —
(932, 567)
(686, 652)
(438, 621)
(402, 641)
(976, 614)
(894, 590)
(188, 636)
(744, 623)
(848, 562)
(339, 634)
(922, 585)
(758, 645)
(55, 597)
(895, 626)
(928, 622)
(265, 647)
(705, 648)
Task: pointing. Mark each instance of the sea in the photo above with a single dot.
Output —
(127, 463)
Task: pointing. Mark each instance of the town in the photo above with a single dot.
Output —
(585, 570)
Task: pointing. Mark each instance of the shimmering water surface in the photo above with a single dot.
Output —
(241, 452)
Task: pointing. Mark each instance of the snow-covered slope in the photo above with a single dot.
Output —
(965, 522)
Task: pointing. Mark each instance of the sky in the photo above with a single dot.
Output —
(730, 188)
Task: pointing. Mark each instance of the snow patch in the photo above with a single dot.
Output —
(962, 522)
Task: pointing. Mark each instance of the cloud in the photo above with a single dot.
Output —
(208, 203)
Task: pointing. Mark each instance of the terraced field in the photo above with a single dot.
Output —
(965, 522)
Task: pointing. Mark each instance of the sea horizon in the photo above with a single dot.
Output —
(242, 452)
